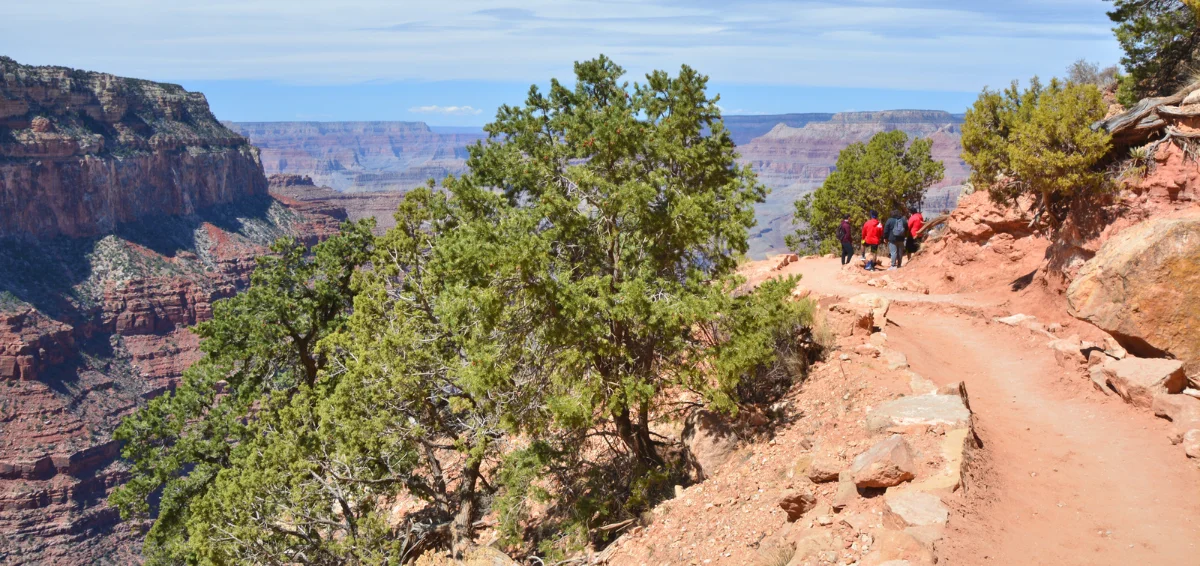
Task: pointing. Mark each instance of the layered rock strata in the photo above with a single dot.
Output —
(126, 210)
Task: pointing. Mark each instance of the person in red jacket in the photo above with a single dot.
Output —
(872, 232)
(915, 223)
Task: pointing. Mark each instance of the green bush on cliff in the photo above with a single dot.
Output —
(887, 173)
(512, 339)
(1036, 142)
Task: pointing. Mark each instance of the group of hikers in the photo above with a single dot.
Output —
(899, 233)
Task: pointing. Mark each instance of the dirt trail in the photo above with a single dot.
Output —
(1067, 476)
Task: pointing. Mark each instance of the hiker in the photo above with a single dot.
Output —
(871, 234)
(915, 223)
(845, 235)
(896, 230)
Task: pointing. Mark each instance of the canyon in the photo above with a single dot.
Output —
(126, 209)
(792, 154)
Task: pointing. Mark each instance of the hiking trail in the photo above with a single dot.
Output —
(1066, 476)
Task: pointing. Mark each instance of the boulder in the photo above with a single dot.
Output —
(928, 410)
(913, 509)
(709, 442)
(886, 464)
(797, 502)
(1138, 380)
(1143, 288)
(879, 307)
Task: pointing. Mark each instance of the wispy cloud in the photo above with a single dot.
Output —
(914, 44)
(446, 110)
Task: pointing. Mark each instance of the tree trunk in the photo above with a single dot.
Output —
(636, 437)
(462, 530)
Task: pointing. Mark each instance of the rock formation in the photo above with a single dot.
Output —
(379, 205)
(126, 209)
(84, 152)
(359, 156)
(1142, 288)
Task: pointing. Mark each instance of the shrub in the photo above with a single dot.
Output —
(1036, 142)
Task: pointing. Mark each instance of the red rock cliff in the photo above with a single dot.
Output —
(82, 152)
(126, 209)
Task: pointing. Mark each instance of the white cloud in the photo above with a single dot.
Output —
(915, 44)
(446, 110)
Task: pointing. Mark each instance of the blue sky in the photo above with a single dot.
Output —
(452, 62)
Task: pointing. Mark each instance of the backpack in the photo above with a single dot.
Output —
(842, 236)
(899, 229)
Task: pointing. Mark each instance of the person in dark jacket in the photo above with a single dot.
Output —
(896, 230)
(845, 235)
(871, 234)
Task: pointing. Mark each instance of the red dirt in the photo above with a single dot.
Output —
(1070, 477)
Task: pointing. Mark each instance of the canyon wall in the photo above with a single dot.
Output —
(359, 156)
(126, 209)
(81, 153)
(792, 153)
(794, 161)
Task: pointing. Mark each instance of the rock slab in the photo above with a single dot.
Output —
(929, 410)
(1138, 380)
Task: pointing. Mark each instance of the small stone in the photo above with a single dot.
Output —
(797, 502)
(885, 464)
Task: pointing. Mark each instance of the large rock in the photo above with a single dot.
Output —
(886, 464)
(709, 442)
(1183, 410)
(929, 410)
(1138, 380)
(1143, 287)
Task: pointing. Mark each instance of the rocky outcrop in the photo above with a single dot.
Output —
(83, 152)
(1143, 287)
(126, 210)
(301, 189)
(359, 156)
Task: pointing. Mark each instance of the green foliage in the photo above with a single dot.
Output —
(509, 342)
(1161, 39)
(886, 173)
(260, 351)
(1036, 142)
